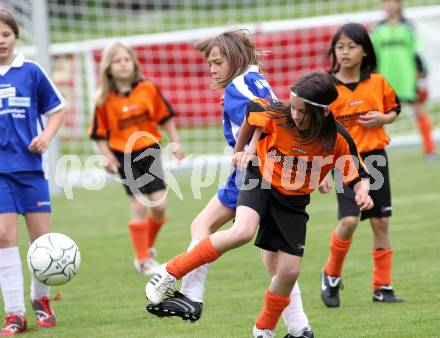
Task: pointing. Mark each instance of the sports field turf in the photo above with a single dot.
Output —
(107, 298)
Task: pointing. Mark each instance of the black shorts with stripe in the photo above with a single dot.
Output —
(141, 171)
(376, 162)
(283, 218)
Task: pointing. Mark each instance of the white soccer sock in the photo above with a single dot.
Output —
(11, 281)
(293, 315)
(193, 284)
(38, 289)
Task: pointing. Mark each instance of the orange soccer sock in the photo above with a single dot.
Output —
(272, 309)
(140, 239)
(381, 267)
(153, 229)
(338, 250)
(202, 253)
(426, 131)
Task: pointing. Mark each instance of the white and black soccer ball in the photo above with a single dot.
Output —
(53, 259)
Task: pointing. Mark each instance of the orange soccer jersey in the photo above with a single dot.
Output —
(294, 167)
(123, 115)
(372, 93)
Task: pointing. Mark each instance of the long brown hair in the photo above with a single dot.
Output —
(317, 87)
(237, 47)
(106, 80)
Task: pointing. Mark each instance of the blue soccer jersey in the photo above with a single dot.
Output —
(26, 94)
(243, 90)
(239, 94)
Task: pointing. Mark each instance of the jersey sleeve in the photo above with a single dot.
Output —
(161, 108)
(50, 99)
(98, 129)
(347, 158)
(257, 116)
(390, 99)
(236, 100)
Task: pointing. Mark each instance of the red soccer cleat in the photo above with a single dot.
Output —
(45, 316)
(14, 324)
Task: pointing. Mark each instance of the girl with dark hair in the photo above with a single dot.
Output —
(234, 63)
(366, 102)
(294, 158)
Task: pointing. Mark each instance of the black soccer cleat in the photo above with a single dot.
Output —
(330, 289)
(178, 305)
(385, 294)
(306, 333)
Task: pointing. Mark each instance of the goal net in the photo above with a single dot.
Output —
(296, 35)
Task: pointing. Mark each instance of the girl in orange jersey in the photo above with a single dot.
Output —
(234, 63)
(302, 143)
(128, 111)
(366, 102)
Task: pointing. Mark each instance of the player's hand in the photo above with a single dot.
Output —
(222, 100)
(372, 119)
(39, 144)
(242, 159)
(177, 150)
(325, 186)
(363, 200)
(236, 158)
(112, 164)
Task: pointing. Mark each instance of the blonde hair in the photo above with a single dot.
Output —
(106, 80)
(237, 47)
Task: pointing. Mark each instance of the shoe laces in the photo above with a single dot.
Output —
(171, 293)
(335, 283)
(166, 283)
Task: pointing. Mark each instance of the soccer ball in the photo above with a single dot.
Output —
(53, 259)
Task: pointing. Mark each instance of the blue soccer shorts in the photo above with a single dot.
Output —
(24, 192)
(228, 194)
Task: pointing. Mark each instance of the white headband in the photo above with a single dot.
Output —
(325, 106)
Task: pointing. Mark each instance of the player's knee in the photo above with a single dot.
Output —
(5, 239)
(348, 225)
(289, 274)
(159, 211)
(242, 234)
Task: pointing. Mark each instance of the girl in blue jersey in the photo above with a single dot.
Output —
(26, 95)
(234, 65)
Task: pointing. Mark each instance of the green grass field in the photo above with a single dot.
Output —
(107, 298)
